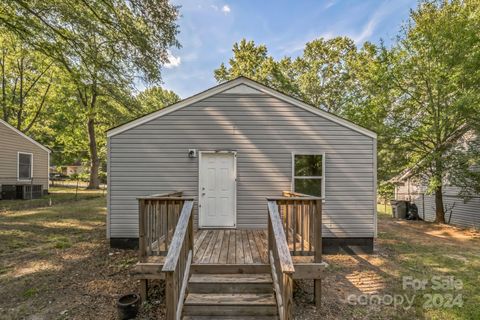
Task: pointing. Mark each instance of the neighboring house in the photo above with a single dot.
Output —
(24, 164)
(232, 146)
(74, 169)
(460, 211)
(68, 170)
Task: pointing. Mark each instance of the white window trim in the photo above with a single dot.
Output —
(18, 166)
(322, 177)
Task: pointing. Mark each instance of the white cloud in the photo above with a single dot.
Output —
(172, 61)
(226, 9)
(378, 16)
(367, 30)
(296, 46)
(330, 4)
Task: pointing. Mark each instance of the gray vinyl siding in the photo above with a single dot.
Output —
(264, 131)
(460, 212)
(11, 142)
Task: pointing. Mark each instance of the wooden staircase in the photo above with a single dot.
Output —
(229, 290)
(230, 296)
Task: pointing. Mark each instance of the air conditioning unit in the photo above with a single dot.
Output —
(22, 191)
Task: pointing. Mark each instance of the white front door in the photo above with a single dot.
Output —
(217, 189)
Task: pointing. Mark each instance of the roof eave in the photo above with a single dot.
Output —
(8, 125)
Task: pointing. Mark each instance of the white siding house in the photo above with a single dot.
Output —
(232, 146)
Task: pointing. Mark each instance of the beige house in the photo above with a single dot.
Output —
(24, 164)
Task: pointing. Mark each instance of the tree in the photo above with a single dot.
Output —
(253, 62)
(156, 98)
(333, 75)
(102, 45)
(436, 100)
(323, 75)
(26, 83)
(369, 104)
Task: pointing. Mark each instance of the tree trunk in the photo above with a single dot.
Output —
(439, 209)
(94, 182)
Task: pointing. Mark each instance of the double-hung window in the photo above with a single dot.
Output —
(25, 166)
(308, 174)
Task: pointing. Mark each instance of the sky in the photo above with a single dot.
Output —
(209, 28)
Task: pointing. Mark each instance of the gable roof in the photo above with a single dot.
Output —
(25, 136)
(229, 85)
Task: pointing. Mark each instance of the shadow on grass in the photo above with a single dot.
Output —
(51, 199)
(58, 226)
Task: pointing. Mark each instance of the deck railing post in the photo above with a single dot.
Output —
(269, 234)
(141, 229)
(318, 251)
(171, 301)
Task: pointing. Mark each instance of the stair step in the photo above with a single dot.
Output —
(230, 317)
(230, 283)
(230, 299)
(231, 278)
(229, 304)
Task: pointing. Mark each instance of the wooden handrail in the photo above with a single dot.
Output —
(294, 194)
(162, 195)
(281, 263)
(294, 198)
(178, 261)
(168, 194)
(163, 198)
(285, 259)
(178, 238)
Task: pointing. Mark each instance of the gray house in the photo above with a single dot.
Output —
(24, 164)
(459, 211)
(232, 146)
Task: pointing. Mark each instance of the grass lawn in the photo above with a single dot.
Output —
(55, 263)
(425, 250)
(414, 249)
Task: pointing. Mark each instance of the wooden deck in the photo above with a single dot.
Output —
(214, 272)
(230, 247)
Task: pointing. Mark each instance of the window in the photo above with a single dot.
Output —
(308, 174)
(25, 165)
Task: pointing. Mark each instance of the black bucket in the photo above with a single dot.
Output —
(128, 306)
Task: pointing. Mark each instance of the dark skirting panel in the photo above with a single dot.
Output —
(347, 245)
(124, 243)
(330, 245)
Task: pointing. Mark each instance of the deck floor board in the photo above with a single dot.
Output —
(230, 247)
